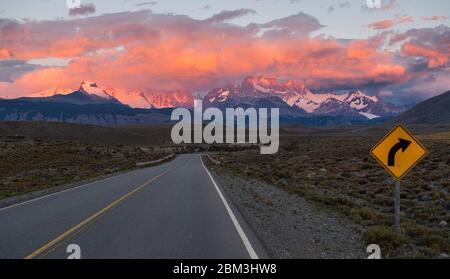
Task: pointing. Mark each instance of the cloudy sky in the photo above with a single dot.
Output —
(399, 51)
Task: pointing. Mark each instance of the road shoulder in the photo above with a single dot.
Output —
(287, 225)
(256, 244)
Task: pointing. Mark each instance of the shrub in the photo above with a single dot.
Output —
(385, 237)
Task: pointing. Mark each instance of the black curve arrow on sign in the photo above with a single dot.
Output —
(401, 144)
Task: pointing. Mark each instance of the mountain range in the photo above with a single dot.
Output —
(88, 94)
(295, 100)
(139, 98)
(91, 104)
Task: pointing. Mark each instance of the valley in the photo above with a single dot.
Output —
(326, 173)
(322, 171)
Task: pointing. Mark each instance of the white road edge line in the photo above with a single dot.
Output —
(63, 191)
(238, 227)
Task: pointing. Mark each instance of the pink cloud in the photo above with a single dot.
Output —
(5, 54)
(434, 17)
(389, 23)
(135, 51)
(429, 44)
(382, 24)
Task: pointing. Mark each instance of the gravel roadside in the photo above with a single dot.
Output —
(288, 225)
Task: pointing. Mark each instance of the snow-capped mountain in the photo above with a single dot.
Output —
(139, 98)
(87, 93)
(157, 100)
(89, 104)
(297, 96)
(91, 88)
(90, 91)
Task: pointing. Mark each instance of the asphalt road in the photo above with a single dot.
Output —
(171, 211)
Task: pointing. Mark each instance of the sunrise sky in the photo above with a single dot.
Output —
(400, 51)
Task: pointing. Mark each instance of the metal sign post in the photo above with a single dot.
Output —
(398, 152)
(397, 206)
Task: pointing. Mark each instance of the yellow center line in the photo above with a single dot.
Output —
(90, 219)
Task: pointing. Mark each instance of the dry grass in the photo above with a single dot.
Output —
(39, 155)
(29, 165)
(444, 137)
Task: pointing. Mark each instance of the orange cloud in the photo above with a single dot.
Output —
(382, 24)
(5, 54)
(434, 17)
(137, 51)
(388, 23)
(435, 58)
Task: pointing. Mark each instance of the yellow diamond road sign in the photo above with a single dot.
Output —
(398, 152)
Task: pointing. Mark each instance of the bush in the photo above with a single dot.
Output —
(385, 237)
(436, 243)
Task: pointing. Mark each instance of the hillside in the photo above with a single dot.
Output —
(53, 109)
(432, 111)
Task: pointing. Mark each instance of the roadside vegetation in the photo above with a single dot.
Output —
(29, 165)
(337, 172)
(38, 156)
